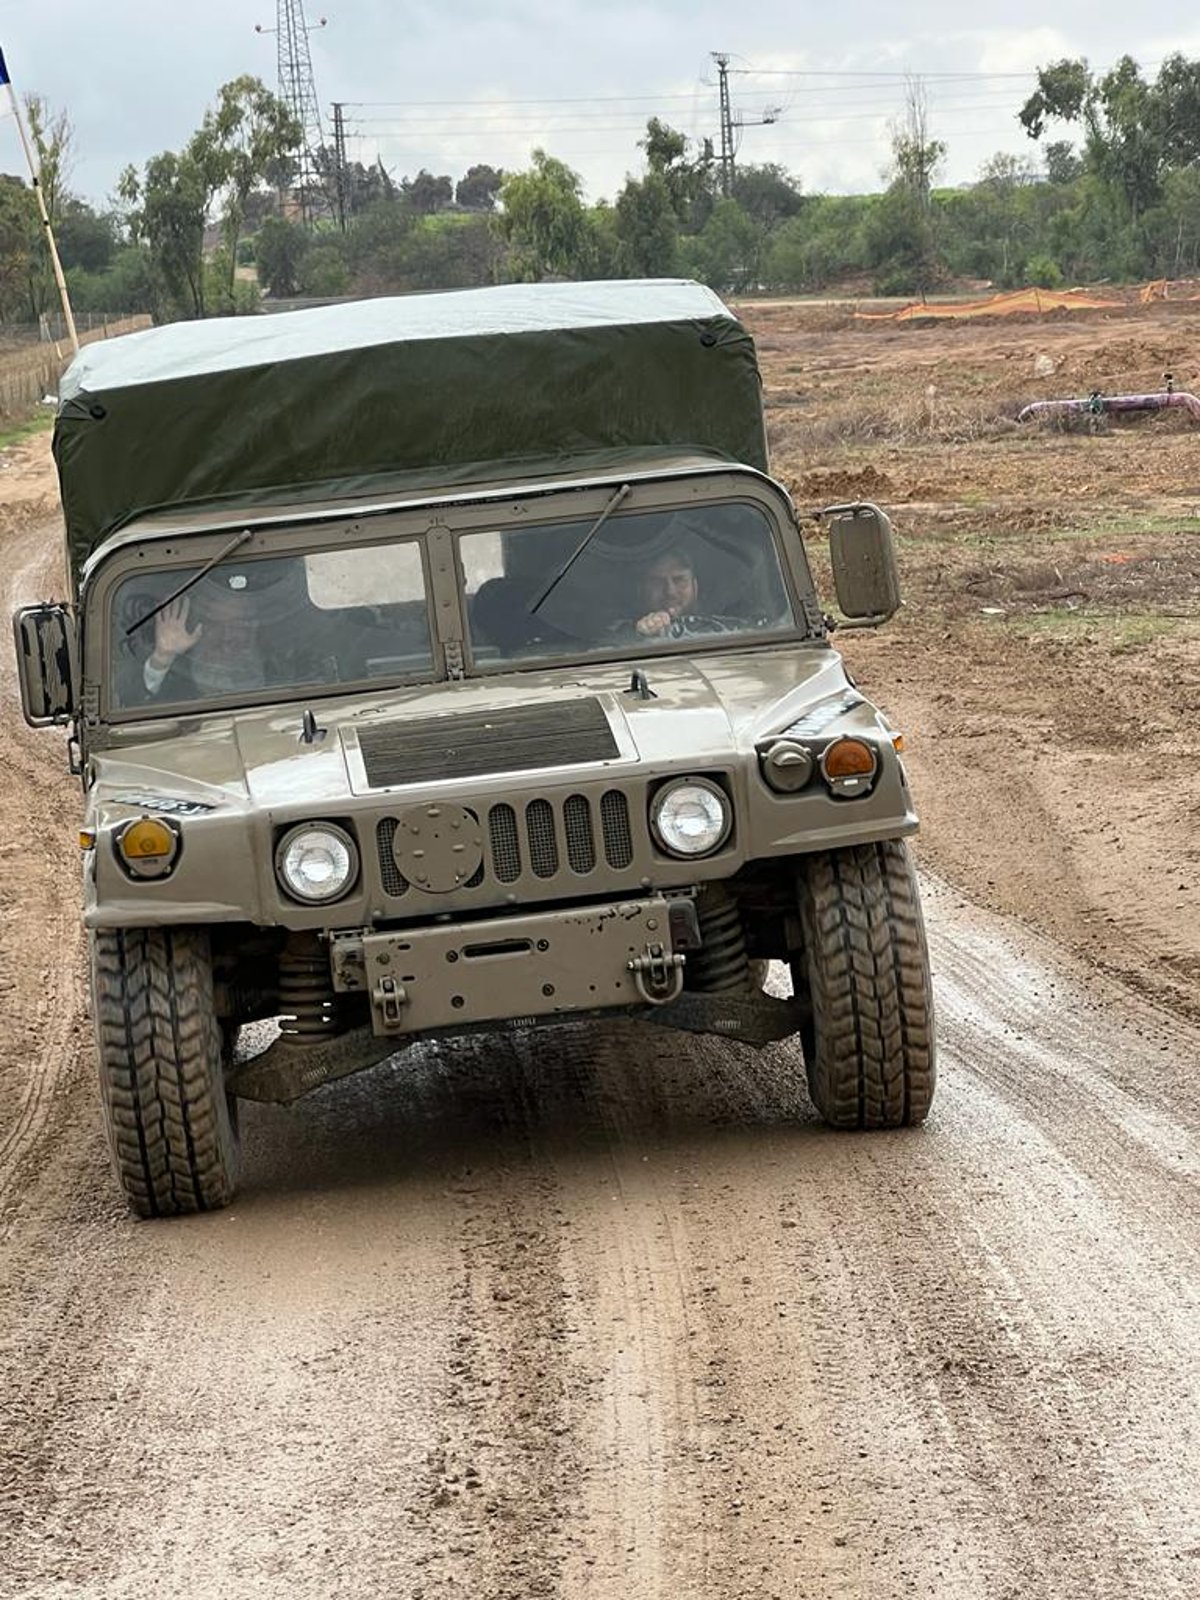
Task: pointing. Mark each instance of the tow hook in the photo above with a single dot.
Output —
(391, 998)
(658, 977)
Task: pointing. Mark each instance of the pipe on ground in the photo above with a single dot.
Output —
(1099, 404)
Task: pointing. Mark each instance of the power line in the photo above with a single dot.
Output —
(902, 75)
(567, 100)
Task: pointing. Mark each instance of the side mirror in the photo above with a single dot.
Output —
(45, 642)
(863, 553)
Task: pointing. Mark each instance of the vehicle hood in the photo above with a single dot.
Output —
(700, 711)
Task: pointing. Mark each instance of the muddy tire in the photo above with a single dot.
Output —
(172, 1129)
(864, 972)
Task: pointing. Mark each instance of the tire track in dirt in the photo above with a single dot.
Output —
(41, 961)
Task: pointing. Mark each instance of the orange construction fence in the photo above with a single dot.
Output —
(1000, 305)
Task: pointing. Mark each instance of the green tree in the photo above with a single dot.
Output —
(426, 194)
(242, 140)
(323, 272)
(18, 223)
(687, 181)
(543, 220)
(84, 239)
(646, 227)
(822, 243)
(478, 187)
(1063, 166)
(1133, 130)
(726, 253)
(167, 206)
(768, 194)
(916, 155)
(280, 248)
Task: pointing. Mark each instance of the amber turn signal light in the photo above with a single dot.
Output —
(147, 839)
(848, 758)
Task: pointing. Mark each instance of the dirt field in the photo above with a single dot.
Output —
(1046, 668)
(607, 1315)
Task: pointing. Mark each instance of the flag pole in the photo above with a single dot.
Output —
(35, 174)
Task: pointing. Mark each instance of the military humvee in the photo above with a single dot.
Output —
(453, 663)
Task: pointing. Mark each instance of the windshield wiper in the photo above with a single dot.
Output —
(234, 544)
(622, 493)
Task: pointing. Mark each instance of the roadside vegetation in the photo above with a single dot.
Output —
(1110, 190)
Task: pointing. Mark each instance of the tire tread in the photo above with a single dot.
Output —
(170, 1128)
(871, 1054)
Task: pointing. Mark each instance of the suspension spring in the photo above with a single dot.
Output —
(307, 1002)
(721, 963)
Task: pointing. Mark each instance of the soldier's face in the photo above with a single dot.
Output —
(671, 586)
(228, 628)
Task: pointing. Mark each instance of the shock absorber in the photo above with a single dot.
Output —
(308, 1012)
(721, 963)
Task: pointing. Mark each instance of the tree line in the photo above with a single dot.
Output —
(1110, 189)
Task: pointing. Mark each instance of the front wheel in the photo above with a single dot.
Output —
(864, 973)
(172, 1129)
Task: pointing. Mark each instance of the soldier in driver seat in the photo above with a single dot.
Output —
(670, 590)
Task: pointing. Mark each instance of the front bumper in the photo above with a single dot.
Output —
(512, 969)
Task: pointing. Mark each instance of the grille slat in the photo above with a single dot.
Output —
(506, 846)
(614, 824)
(394, 881)
(581, 841)
(543, 846)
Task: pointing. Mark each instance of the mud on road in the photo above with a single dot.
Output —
(608, 1313)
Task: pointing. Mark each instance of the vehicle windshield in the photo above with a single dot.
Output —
(647, 581)
(279, 624)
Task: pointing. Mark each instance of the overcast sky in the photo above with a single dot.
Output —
(444, 85)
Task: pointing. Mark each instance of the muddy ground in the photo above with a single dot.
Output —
(608, 1314)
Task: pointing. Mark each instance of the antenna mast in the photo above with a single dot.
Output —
(298, 91)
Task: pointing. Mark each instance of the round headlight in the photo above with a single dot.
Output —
(690, 818)
(316, 863)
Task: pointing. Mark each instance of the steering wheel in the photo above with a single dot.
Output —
(685, 627)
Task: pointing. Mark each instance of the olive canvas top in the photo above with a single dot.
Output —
(363, 398)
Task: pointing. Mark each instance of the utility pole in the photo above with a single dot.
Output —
(341, 173)
(722, 61)
(298, 91)
(729, 122)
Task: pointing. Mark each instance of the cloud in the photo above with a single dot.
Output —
(1025, 50)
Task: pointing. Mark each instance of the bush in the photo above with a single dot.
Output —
(1044, 271)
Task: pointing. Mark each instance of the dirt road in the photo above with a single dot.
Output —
(606, 1313)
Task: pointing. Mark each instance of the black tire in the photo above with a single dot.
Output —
(172, 1129)
(864, 972)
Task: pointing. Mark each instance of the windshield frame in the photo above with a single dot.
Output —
(740, 488)
(189, 552)
(435, 522)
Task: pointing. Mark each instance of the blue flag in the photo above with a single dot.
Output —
(4, 78)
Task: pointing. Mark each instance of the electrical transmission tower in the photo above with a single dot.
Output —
(729, 122)
(298, 91)
(722, 61)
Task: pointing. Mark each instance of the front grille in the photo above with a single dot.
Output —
(536, 838)
(511, 739)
